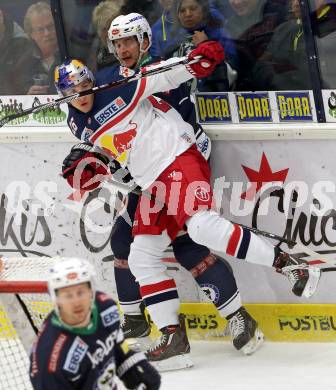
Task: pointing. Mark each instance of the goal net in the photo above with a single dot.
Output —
(24, 304)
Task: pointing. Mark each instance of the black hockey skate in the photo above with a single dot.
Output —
(171, 350)
(136, 329)
(303, 278)
(134, 326)
(244, 331)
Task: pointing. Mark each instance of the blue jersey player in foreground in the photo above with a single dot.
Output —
(80, 345)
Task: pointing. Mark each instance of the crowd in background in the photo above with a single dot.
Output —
(29, 53)
(264, 42)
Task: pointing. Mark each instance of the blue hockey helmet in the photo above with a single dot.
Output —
(70, 74)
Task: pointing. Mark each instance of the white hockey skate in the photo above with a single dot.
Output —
(303, 277)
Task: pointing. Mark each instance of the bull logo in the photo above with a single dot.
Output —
(117, 145)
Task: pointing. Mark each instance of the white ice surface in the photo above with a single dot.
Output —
(276, 366)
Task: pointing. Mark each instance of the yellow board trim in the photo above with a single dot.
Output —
(279, 322)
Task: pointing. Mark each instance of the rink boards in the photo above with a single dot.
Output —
(279, 322)
(51, 223)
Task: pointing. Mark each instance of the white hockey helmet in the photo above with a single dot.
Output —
(70, 272)
(129, 25)
(70, 74)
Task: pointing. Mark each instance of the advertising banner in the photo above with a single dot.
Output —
(284, 187)
(270, 185)
(51, 117)
(329, 103)
(255, 107)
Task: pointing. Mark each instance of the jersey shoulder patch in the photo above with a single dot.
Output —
(110, 316)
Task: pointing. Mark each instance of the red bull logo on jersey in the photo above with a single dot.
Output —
(110, 110)
(117, 145)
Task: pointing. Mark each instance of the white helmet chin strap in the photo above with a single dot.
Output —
(142, 52)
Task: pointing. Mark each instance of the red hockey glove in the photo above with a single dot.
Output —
(212, 54)
(81, 167)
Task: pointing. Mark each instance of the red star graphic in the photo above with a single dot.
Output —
(259, 178)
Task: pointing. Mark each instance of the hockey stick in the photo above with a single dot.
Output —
(154, 69)
(290, 243)
(320, 259)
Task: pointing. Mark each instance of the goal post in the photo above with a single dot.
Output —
(24, 304)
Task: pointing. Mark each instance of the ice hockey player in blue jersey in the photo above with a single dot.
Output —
(80, 344)
(212, 274)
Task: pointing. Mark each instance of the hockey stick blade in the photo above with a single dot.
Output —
(152, 70)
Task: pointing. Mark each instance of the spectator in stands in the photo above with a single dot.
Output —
(252, 27)
(161, 30)
(102, 16)
(284, 64)
(196, 22)
(14, 44)
(163, 26)
(39, 26)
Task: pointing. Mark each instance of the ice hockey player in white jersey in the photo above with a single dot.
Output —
(212, 273)
(161, 156)
(80, 345)
(155, 144)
